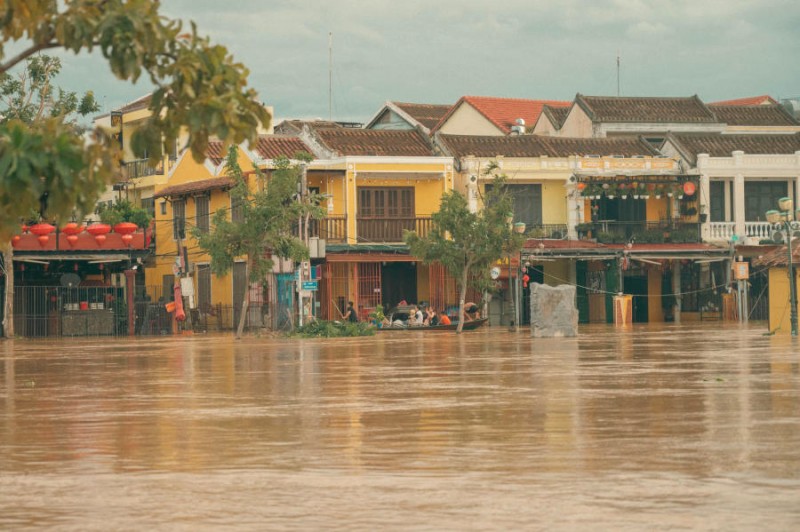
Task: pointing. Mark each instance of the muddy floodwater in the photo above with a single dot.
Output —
(693, 427)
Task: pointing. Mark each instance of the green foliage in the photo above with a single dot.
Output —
(268, 215)
(124, 211)
(377, 314)
(199, 89)
(31, 94)
(468, 243)
(332, 329)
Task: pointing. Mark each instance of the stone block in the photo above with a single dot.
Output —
(553, 311)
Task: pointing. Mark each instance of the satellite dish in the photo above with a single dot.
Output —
(70, 279)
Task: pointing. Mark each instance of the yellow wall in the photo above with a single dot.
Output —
(779, 310)
(657, 208)
(556, 273)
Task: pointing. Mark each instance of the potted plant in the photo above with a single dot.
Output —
(124, 212)
(378, 316)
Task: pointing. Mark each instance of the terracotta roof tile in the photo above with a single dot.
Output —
(503, 112)
(537, 146)
(754, 115)
(195, 187)
(274, 146)
(347, 141)
(645, 109)
(216, 152)
(778, 257)
(717, 145)
(426, 114)
(295, 127)
(750, 100)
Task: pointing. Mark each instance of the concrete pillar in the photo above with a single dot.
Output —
(705, 205)
(130, 281)
(676, 290)
(350, 202)
(573, 210)
(738, 206)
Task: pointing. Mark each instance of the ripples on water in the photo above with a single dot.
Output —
(658, 428)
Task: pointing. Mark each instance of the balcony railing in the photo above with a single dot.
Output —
(721, 230)
(142, 168)
(547, 231)
(391, 229)
(613, 232)
(330, 228)
(759, 230)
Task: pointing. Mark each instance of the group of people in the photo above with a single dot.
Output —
(428, 318)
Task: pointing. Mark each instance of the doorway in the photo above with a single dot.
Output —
(637, 287)
(398, 283)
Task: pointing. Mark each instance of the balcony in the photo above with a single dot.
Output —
(613, 232)
(547, 231)
(331, 228)
(142, 168)
(372, 230)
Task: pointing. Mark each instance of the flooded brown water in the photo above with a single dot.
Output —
(676, 428)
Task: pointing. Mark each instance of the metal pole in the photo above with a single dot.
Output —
(792, 292)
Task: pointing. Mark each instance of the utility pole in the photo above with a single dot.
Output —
(617, 73)
(330, 75)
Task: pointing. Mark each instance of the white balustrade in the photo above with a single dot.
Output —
(760, 230)
(721, 230)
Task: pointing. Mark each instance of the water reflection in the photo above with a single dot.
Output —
(591, 423)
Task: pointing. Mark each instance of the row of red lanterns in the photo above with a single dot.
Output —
(72, 229)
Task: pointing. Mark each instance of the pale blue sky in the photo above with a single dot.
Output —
(435, 51)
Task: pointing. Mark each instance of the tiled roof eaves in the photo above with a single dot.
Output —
(195, 187)
(596, 116)
(366, 142)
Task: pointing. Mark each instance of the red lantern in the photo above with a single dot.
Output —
(525, 279)
(42, 229)
(100, 239)
(72, 239)
(127, 238)
(689, 188)
(581, 186)
(42, 239)
(72, 228)
(125, 228)
(15, 240)
(98, 229)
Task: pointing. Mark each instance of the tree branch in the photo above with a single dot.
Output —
(27, 53)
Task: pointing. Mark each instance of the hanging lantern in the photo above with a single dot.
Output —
(525, 279)
(785, 204)
(72, 239)
(98, 229)
(43, 239)
(15, 240)
(42, 229)
(72, 228)
(100, 239)
(773, 216)
(689, 188)
(125, 228)
(581, 186)
(127, 239)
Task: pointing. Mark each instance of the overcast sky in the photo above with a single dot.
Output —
(435, 51)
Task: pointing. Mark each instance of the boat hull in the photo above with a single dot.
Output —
(468, 326)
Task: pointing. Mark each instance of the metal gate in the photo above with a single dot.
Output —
(284, 301)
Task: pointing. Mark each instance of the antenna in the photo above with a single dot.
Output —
(330, 75)
(617, 73)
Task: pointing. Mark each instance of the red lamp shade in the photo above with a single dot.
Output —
(72, 239)
(15, 240)
(100, 239)
(127, 239)
(689, 188)
(125, 228)
(72, 228)
(581, 185)
(98, 229)
(42, 229)
(42, 239)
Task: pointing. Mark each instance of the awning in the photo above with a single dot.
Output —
(89, 257)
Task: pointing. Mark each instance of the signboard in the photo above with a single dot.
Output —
(494, 273)
(310, 285)
(741, 271)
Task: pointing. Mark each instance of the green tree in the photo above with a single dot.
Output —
(199, 89)
(264, 228)
(468, 243)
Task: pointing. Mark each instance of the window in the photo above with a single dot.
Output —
(149, 204)
(527, 203)
(762, 197)
(178, 219)
(237, 214)
(717, 207)
(386, 202)
(201, 213)
(203, 287)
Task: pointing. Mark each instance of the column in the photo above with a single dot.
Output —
(705, 206)
(130, 280)
(573, 210)
(350, 202)
(738, 206)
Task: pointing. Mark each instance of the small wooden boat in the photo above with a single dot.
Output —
(468, 326)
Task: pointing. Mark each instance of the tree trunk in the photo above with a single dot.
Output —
(245, 303)
(8, 310)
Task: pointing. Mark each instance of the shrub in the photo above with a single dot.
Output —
(333, 329)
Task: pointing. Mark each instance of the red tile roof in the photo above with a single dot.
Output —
(537, 146)
(216, 152)
(779, 256)
(751, 100)
(195, 187)
(503, 112)
(754, 115)
(645, 109)
(274, 146)
(370, 142)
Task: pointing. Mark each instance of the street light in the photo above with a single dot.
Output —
(786, 226)
(518, 228)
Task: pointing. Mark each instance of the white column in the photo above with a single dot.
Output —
(738, 205)
(573, 210)
(705, 205)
